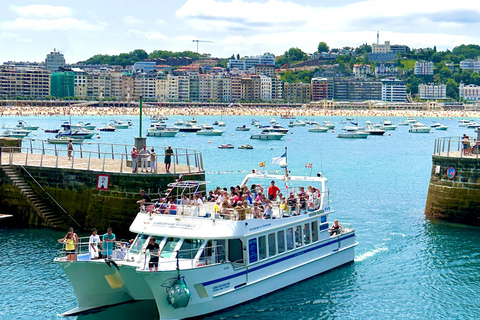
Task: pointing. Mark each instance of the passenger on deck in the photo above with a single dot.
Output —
(93, 244)
(211, 196)
(109, 240)
(268, 213)
(302, 202)
(246, 205)
(145, 200)
(336, 228)
(273, 191)
(292, 202)
(256, 211)
(196, 203)
(154, 248)
(185, 201)
(225, 209)
(310, 203)
(172, 207)
(69, 246)
(253, 191)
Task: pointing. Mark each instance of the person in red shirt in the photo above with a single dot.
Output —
(273, 191)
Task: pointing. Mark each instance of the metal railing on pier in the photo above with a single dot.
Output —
(98, 157)
(456, 147)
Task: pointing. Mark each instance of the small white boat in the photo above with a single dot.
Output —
(435, 124)
(77, 134)
(222, 124)
(18, 131)
(268, 134)
(374, 131)
(273, 120)
(9, 133)
(119, 124)
(179, 122)
(328, 124)
(418, 127)
(243, 128)
(65, 140)
(407, 122)
(210, 132)
(353, 135)
(107, 128)
(23, 125)
(473, 125)
(441, 127)
(464, 122)
(162, 132)
(87, 126)
(318, 128)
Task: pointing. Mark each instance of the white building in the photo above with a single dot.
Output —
(144, 86)
(423, 68)
(394, 90)
(161, 87)
(183, 88)
(266, 88)
(432, 91)
(54, 61)
(469, 92)
(470, 64)
(362, 70)
(172, 82)
(381, 48)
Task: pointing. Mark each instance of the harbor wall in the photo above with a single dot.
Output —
(457, 198)
(76, 191)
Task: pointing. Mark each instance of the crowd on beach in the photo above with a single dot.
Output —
(22, 111)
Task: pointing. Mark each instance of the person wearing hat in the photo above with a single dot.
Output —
(168, 158)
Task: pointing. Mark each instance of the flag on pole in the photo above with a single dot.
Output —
(308, 165)
(261, 164)
(280, 160)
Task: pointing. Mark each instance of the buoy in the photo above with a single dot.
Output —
(98, 137)
(389, 134)
(178, 295)
(288, 138)
(333, 131)
(183, 135)
(271, 148)
(232, 134)
(209, 141)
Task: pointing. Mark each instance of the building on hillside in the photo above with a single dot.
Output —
(163, 67)
(432, 91)
(319, 87)
(469, 92)
(362, 70)
(297, 92)
(236, 64)
(381, 48)
(143, 67)
(470, 64)
(24, 82)
(54, 61)
(354, 89)
(263, 69)
(62, 84)
(399, 48)
(386, 70)
(394, 90)
(423, 68)
(382, 56)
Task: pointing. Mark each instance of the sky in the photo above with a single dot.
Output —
(29, 30)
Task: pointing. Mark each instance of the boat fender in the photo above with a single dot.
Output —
(178, 295)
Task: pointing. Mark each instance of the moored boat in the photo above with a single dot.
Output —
(243, 128)
(65, 140)
(162, 132)
(318, 128)
(418, 127)
(226, 146)
(268, 134)
(245, 146)
(210, 132)
(23, 125)
(353, 135)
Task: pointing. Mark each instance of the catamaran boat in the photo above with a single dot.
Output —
(318, 128)
(23, 125)
(418, 127)
(159, 131)
(268, 134)
(211, 259)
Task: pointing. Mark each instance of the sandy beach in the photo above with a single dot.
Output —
(22, 111)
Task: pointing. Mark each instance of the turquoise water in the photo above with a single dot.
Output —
(405, 266)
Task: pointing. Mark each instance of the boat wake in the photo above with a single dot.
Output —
(369, 254)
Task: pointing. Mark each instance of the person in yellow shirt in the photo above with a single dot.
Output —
(70, 247)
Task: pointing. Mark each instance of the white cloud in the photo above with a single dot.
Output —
(50, 24)
(13, 36)
(42, 11)
(131, 20)
(160, 22)
(148, 35)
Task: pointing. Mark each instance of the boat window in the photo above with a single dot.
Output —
(220, 248)
(272, 247)
(306, 233)
(289, 239)
(235, 250)
(169, 246)
(262, 247)
(139, 242)
(314, 231)
(252, 250)
(207, 254)
(298, 236)
(281, 241)
(189, 248)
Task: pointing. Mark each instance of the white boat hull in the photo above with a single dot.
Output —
(419, 130)
(317, 129)
(353, 135)
(270, 136)
(210, 133)
(161, 133)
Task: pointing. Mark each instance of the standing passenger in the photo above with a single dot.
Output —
(93, 243)
(168, 158)
(109, 239)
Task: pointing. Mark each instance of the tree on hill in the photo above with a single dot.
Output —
(470, 51)
(323, 47)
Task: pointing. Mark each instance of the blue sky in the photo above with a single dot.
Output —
(80, 29)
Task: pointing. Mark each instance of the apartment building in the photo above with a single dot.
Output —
(251, 88)
(432, 91)
(297, 92)
(99, 84)
(267, 70)
(354, 89)
(423, 68)
(54, 61)
(470, 64)
(394, 90)
(161, 87)
(469, 92)
(266, 88)
(236, 88)
(172, 83)
(362, 70)
(80, 83)
(381, 48)
(205, 87)
(194, 85)
(144, 86)
(62, 84)
(319, 87)
(277, 92)
(386, 70)
(24, 82)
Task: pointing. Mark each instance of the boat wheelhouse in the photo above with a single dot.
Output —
(211, 259)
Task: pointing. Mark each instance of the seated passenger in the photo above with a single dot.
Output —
(196, 203)
(172, 207)
(256, 211)
(336, 228)
(268, 213)
(310, 203)
(248, 210)
(292, 203)
(185, 201)
(302, 202)
(225, 209)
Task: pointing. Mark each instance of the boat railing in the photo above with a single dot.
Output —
(97, 157)
(116, 250)
(346, 228)
(454, 147)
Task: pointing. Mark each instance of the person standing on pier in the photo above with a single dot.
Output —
(144, 155)
(70, 149)
(168, 158)
(134, 154)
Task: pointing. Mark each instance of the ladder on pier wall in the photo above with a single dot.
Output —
(43, 210)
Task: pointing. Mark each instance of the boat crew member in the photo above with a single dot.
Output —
(109, 239)
(168, 158)
(154, 251)
(273, 191)
(336, 228)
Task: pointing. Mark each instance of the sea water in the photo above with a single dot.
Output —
(405, 266)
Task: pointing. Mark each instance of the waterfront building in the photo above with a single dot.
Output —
(80, 83)
(423, 68)
(362, 70)
(469, 92)
(24, 82)
(204, 87)
(432, 91)
(121, 85)
(172, 82)
(62, 84)
(251, 88)
(236, 87)
(319, 87)
(194, 86)
(183, 88)
(297, 92)
(54, 61)
(386, 70)
(277, 85)
(99, 84)
(266, 88)
(354, 89)
(161, 87)
(143, 66)
(470, 64)
(394, 90)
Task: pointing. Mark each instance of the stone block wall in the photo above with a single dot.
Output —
(456, 199)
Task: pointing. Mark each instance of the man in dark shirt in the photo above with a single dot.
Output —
(145, 199)
(168, 158)
(154, 251)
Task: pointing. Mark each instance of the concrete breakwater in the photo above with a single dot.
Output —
(62, 192)
(454, 189)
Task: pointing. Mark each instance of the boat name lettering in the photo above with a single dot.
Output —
(326, 209)
(221, 286)
(259, 227)
(180, 225)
